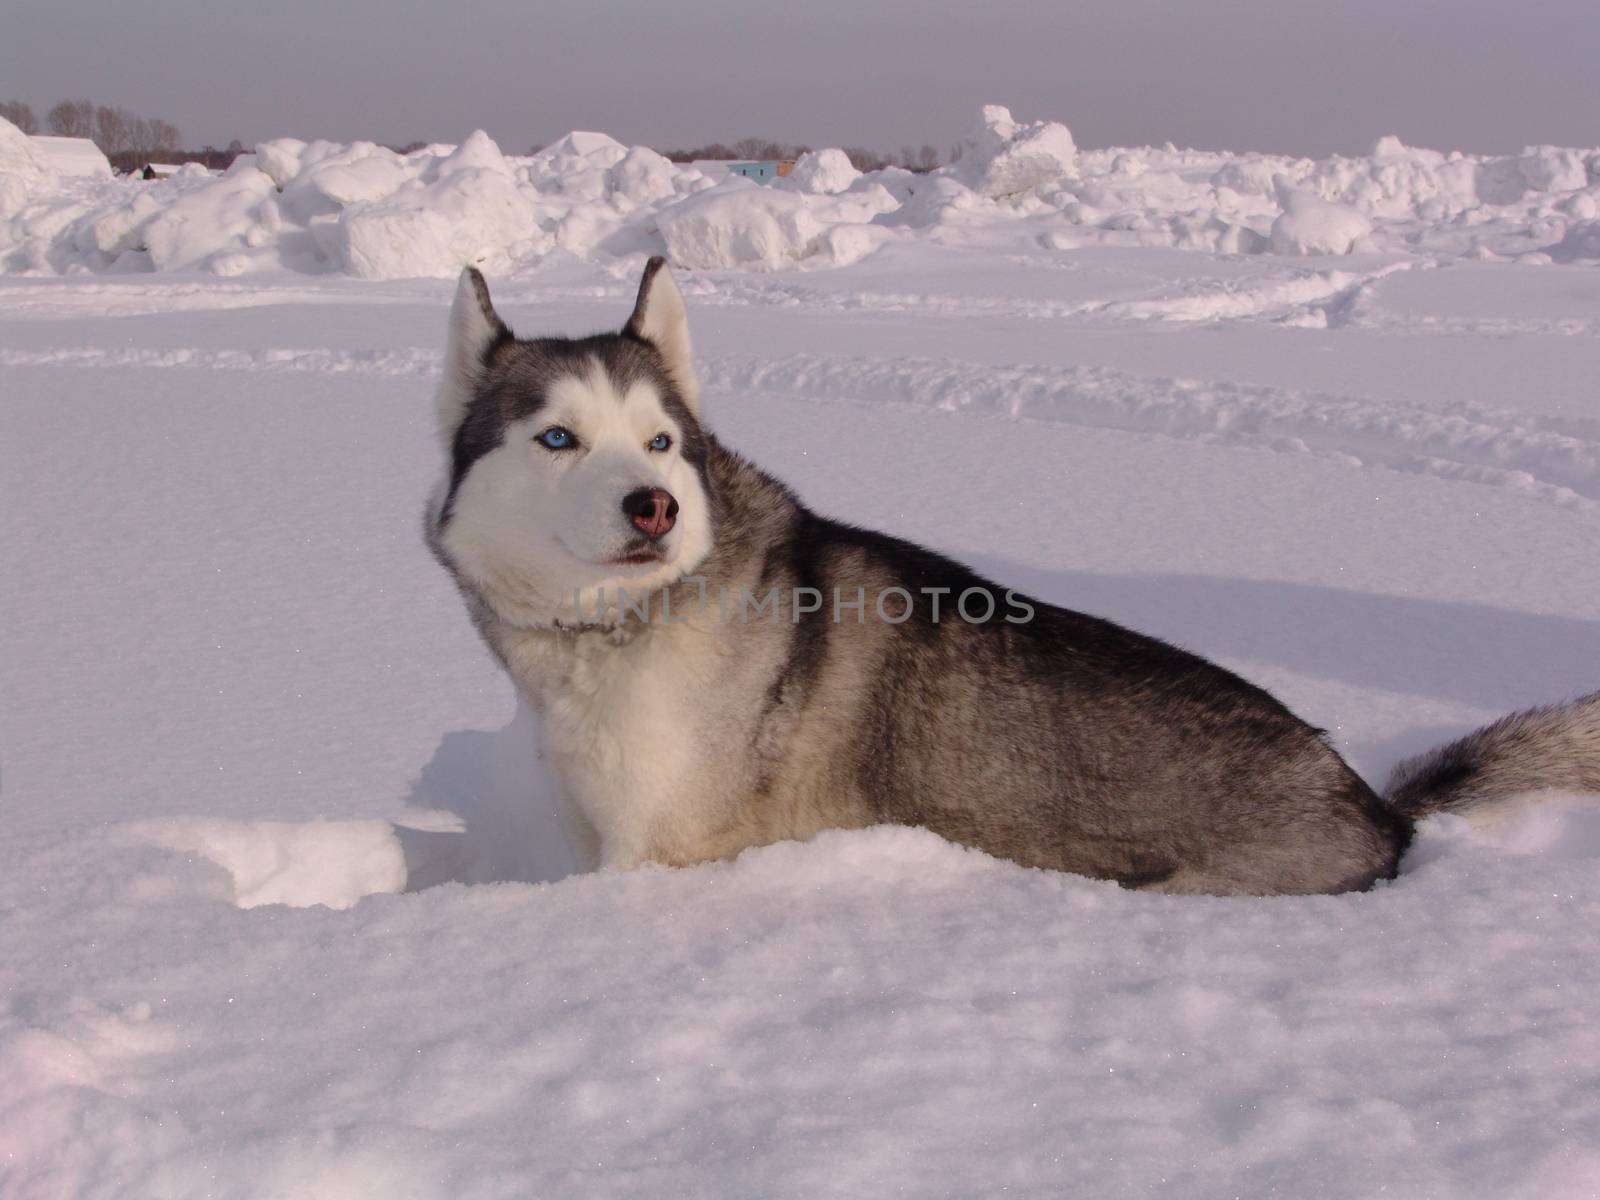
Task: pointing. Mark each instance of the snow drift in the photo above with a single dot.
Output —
(363, 210)
(286, 907)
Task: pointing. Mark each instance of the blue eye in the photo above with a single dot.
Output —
(557, 438)
(660, 442)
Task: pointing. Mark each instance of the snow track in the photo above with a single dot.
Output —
(1552, 458)
(1496, 447)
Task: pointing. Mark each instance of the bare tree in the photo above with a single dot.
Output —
(112, 132)
(927, 158)
(863, 159)
(163, 137)
(752, 148)
(20, 115)
(72, 118)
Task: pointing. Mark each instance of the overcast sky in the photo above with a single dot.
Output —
(1282, 75)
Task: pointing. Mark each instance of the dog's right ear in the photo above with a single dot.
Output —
(475, 330)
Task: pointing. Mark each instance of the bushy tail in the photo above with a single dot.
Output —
(1540, 749)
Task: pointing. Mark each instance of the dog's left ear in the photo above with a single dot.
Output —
(660, 318)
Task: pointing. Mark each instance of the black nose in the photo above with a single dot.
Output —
(653, 510)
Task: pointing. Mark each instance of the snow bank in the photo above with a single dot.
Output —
(331, 863)
(74, 156)
(1003, 158)
(366, 211)
(24, 170)
(473, 211)
(1582, 241)
(740, 223)
(1312, 225)
(228, 626)
(821, 171)
(237, 212)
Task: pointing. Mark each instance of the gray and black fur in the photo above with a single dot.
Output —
(1065, 741)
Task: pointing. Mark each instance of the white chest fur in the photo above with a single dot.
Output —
(624, 722)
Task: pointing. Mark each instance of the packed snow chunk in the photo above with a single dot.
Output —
(477, 153)
(1002, 158)
(822, 172)
(1249, 175)
(475, 212)
(334, 863)
(116, 231)
(1311, 225)
(367, 172)
(1553, 169)
(1581, 243)
(739, 226)
(935, 200)
(594, 147)
(213, 216)
(74, 156)
(642, 177)
(280, 159)
(577, 165)
(24, 170)
(842, 245)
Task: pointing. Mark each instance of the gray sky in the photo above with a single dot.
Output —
(1283, 75)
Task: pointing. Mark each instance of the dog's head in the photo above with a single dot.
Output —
(574, 468)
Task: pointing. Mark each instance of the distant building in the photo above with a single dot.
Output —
(73, 156)
(763, 172)
(160, 170)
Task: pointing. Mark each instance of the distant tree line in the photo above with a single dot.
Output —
(20, 115)
(130, 141)
(912, 158)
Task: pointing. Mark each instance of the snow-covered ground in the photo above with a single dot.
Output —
(284, 909)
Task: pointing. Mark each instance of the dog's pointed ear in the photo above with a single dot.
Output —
(660, 318)
(475, 330)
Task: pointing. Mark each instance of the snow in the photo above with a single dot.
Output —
(24, 169)
(820, 171)
(473, 211)
(739, 223)
(1312, 225)
(361, 210)
(289, 910)
(73, 156)
(1003, 158)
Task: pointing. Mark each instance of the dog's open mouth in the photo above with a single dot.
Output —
(639, 557)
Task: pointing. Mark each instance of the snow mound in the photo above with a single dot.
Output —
(739, 224)
(825, 171)
(363, 176)
(1582, 242)
(24, 170)
(1553, 169)
(1312, 225)
(473, 212)
(642, 176)
(363, 210)
(280, 159)
(332, 863)
(238, 212)
(74, 156)
(1002, 158)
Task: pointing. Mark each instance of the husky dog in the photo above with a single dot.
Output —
(717, 667)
